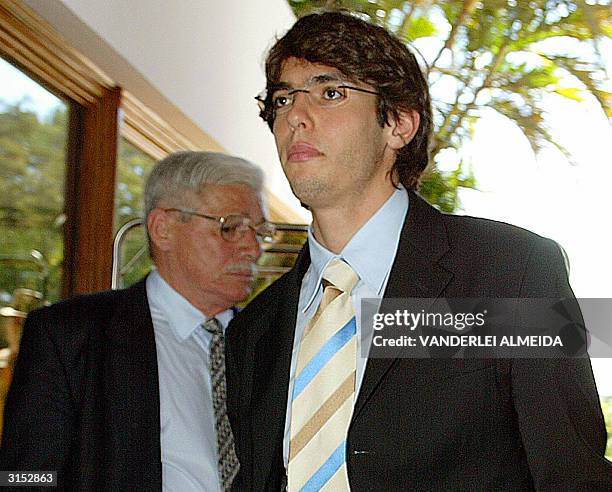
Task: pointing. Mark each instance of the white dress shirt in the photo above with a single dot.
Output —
(188, 439)
(370, 252)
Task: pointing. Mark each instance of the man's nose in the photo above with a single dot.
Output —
(251, 245)
(300, 113)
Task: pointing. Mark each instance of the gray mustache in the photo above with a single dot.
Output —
(242, 267)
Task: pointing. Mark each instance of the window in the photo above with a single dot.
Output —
(33, 137)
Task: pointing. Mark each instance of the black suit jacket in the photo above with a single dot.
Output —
(432, 424)
(85, 394)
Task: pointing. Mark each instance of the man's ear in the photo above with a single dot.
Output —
(403, 128)
(159, 227)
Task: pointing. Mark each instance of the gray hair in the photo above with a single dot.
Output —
(179, 173)
(185, 171)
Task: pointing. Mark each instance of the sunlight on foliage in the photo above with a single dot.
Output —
(500, 54)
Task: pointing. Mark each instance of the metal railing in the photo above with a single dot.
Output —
(278, 248)
(118, 271)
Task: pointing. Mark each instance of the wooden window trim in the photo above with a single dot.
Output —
(35, 47)
(90, 205)
(31, 43)
(146, 130)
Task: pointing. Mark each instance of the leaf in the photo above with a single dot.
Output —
(570, 93)
(419, 27)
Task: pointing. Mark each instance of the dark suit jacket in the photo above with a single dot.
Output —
(85, 394)
(425, 424)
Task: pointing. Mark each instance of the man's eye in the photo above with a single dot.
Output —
(235, 226)
(332, 94)
(280, 101)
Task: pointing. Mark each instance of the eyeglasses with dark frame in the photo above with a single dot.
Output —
(233, 227)
(323, 91)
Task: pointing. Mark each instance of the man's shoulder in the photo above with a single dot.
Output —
(475, 234)
(497, 236)
(478, 226)
(84, 311)
(503, 256)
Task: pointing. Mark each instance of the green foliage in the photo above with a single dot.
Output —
(32, 164)
(133, 167)
(443, 186)
(495, 55)
(418, 27)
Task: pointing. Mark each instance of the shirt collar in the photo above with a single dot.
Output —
(370, 252)
(182, 316)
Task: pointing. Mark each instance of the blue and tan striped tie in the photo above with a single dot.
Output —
(324, 388)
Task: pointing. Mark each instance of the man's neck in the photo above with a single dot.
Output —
(334, 227)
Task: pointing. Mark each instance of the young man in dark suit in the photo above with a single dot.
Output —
(350, 112)
(124, 390)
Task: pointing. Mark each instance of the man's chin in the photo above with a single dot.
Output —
(240, 292)
(310, 192)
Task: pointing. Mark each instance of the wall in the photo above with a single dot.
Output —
(198, 63)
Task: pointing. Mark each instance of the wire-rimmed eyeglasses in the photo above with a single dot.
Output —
(321, 92)
(233, 227)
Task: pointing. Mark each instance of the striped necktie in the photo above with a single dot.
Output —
(324, 388)
(228, 465)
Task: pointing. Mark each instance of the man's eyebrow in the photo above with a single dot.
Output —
(326, 77)
(279, 85)
(315, 79)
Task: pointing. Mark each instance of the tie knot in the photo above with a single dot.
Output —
(340, 275)
(213, 326)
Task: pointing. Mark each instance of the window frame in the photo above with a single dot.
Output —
(100, 111)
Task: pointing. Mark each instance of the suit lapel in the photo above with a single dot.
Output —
(416, 272)
(271, 375)
(132, 392)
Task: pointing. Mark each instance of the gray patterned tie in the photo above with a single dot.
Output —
(228, 465)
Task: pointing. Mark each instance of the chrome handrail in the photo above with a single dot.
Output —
(118, 241)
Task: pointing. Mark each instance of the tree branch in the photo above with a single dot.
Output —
(466, 11)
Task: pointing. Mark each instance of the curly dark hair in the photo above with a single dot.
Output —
(368, 53)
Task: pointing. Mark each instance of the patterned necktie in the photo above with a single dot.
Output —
(324, 388)
(228, 465)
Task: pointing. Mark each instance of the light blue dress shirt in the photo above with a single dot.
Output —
(370, 252)
(188, 438)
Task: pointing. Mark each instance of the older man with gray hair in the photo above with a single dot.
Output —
(125, 390)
